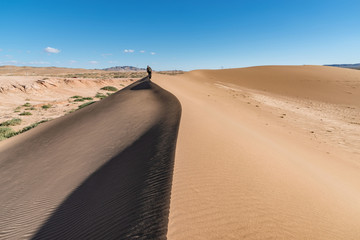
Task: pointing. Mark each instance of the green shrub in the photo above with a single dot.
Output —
(31, 126)
(12, 122)
(27, 105)
(88, 98)
(109, 88)
(30, 108)
(79, 100)
(25, 114)
(76, 96)
(100, 95)
(86, 104)
(109, 94)
(6, 132)
(46, 106)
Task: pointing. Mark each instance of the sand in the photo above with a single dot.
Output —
(102, 172)
(266, 153)
(262, 153)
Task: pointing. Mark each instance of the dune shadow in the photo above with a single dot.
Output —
(142, 84)
(126, 198)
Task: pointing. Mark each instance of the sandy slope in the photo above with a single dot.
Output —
(266, 153)
(102, 172)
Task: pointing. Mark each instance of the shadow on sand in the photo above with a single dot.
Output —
(142, 84)
(129, 196)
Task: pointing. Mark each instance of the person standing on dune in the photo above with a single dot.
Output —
(149, 71)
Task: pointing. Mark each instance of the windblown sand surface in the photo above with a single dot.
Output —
(266, 153)
(102, 172)
(262, 153)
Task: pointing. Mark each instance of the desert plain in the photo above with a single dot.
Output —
(268, 152)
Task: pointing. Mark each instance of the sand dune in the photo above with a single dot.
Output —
(329, 84)
(102, 172)
(266, 153)
(262, 153)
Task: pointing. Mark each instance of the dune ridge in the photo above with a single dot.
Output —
(102, 172)
(327, 84)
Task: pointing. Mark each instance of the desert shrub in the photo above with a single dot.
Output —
(25, 114)
(27, 128)
(137, 74)
(27, 105)
(100, 95)
(46, 106)
(6, 132)
(30, 108)
(109, 88)
(86, 104)
(79, 100)
(109, 94)
(87, 98)
(12, 122)
(76, 96)
(172, 72)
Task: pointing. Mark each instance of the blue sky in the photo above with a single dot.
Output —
(178, 34)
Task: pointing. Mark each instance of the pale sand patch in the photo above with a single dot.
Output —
(338, 123)
(15, 91)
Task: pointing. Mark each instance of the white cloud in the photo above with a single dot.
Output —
(93, 62)
(9, 62)
(106, 54)
(38, 62)
(72, 61)
(142, 51)
(129, 51)
(152, 53)
(51, 50)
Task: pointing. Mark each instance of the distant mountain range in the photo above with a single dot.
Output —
(352, 66)
(124, 69)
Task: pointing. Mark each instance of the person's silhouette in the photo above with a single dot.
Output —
(149, 71)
